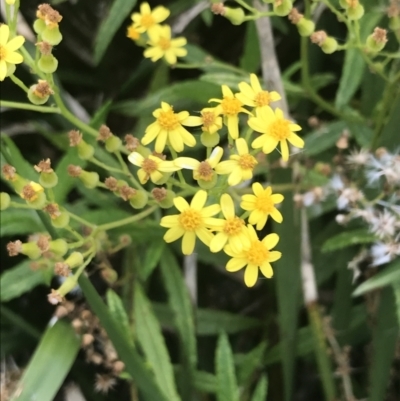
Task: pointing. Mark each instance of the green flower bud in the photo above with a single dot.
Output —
(48, 180)
(39, 26)
(48, 63)
(355, 13)
(31, 250)
(59, 247)
(208, 184)
(165, 177)
(113, 143)
(109, 275)
(343, 4)
(62, 220)
(283, 8)
(18, 183)
(85, 151)
(305, 27)
(39, 202)
(139, 200)
(394, 23)
(209, 140)
(68, 285)
(74, 260)
(90, 179)
(52, 35)
(164, 197)
(330, 45)
(234, 15)
(36, 99)
(377, 40)
(4, 200)
(145, 152)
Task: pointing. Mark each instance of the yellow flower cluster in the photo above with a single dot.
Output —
(8, 55)
(146, 30)
(218, 225)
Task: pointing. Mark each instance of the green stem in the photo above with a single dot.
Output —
(80, 220)
(106, 167)
(246, 6)
(18, 205)
(180, 174)
(19, 322)
(31, 63)
(126, 171)
(128, 220)
(27, 106)
(19, 83)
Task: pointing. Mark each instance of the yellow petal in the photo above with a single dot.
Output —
(284, 150)
(192, 121)
(176, 141)
(266, 270)
(211, 210)
(161, 141)
(173, 234)
(4, 34)
(136, 159)
(276, 215)
(160, 14)
(205, 236)
(274, 256)
(170, 221)
(236, 264)
(199, 200)
(295, 140)
(181, 204)
(227, 206)
(251, 275)
(188, 242)
(270, 240)
(241, 146)
(233, 126)
(218, 242)
(255, 83)
(15, 43)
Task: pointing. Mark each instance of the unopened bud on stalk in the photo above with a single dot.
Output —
(90, 179)
(304, 26)
(234, 15)
(48, 178)
(34, 195)
(39, 93)
(282, 7)
(74, 260)
(109, 275)
(113, 144)
(52, 35)
(327, 43)
(163, 197)
(59, 247)
(85, 151)
(57, 296)
(29, 249)
(377, 40)
(4, 200)
(139, 200)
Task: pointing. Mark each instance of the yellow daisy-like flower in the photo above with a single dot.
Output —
(132, 32)
(193, 221)
(262, 204)
(254, 95)
(8, 54)
(232, 229)
(210, 119)
(256, 255)
(230, 108)
(168, 127)
(161, 45)
(152, 167)
(275, 130)
(146, 20)
(201, 170)
(240, 167)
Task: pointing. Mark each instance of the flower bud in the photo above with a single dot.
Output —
(377, 40)
(68, 285)
(39, 26)
(109, 275)
(164, 197)
(139, 200)
(61, 221)
(31, 250)
(85, 151)
(10, 2)
(283, 7)
(39, 93)
(52, 35)
(208, 184)
(39, 202)
(74, 260)
(59, 247)
(48, 64)
(394, 23)
(34, 99)
(234, 15)
(330, 45)
(48, 180)
(356, 12)
(4, 200)
(305, 27)
(113, 144)
(90, 179)
(209, 140)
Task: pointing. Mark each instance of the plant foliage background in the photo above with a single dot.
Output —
(220, 341)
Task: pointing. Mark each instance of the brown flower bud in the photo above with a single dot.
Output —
(111, 183)
(74, 171)
(104, 133)
(43, 243)
(53, 210)
(131, 143)
(44, 166)
(45, 48)
(87, 339)
(127, 192)
(9, 172)
(42, 89)
(218, 8)
(28, 193)
(62, 269)
(318, 37)
(54, 297)
(294, 16)
(74, 137)
(14, 248)
(159, 194)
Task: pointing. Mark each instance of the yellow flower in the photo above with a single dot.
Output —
(240, 167)
(194, 220)
(10, 2)
(254, 95)
(256, 255)
(275, 129)
(262, 205)
(201, 170)
(168, 127)
(8, 54)
(232, 229)
(132, 32)
(161, 45)
(230, 107)
(146, 20)
(210, 119)
(152, 167)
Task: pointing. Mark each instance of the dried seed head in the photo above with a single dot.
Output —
(61, 311)
(127, 192)
(74, 137)
(49, 15)
(42, 89)
(111, 183)
(118, 367)
(74, 171)
(28, 193)
(53, 210)
(14, 248)
(218, 8)
(77, 325)
(294, 16)
(131, 143)
(380, 152)
(54, 297)
(43, 243)
(159, 194)
(45, 48)
(104, 383)
(394, 9)
(314, 122)
(9, 172)
(62, 269)
(44, 166)
(87, 339)
(318, 37)
(104, 133)
(96, 358)
(379, 35)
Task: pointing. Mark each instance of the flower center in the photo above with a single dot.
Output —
(280, 130)
(205, 171)
(231, 106)
(190, 219)
(3, 53)
(247, 162)
(233, 226)
(147, 21)
(257, 254)
(262, 99)
(164, 43)
(168, 120)
(133, 33)
(208, 118)
(264, 203)
(149, 166)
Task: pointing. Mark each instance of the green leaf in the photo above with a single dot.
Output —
(390, 133)
(134, 364)
(250, 60)
(361, 133)
(223, 78)
(118, 312)
(152, 257)
(388, 276)
(383, 346)
(205, 381)
(119, 10)
(261, 390)
(250, 362)
(49, 365)
(323, 138)
(19, 222)
(396, 292)
(20, 279)
(227, 388)
(348, 238)
(101, 114)
(149, 333)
